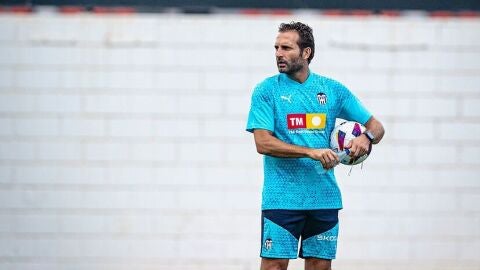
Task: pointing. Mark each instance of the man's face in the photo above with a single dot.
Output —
(288, 54)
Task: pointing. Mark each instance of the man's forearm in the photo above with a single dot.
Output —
(272, 146)
(267, 144)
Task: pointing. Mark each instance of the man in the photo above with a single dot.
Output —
(292, 115)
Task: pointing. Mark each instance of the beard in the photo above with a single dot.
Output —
(290, 67)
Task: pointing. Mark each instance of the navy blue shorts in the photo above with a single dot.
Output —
(283, 229)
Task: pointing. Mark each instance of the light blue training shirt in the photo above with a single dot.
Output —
(302, 114)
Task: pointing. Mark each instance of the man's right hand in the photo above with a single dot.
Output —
(327, 157)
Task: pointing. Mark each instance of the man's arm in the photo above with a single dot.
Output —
(267, 144)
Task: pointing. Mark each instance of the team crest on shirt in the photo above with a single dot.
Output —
(268, 244)
(322, 98)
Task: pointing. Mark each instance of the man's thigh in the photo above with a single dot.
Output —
(281, 230)
(319, 236)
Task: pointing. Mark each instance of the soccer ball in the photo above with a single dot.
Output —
(341, 136)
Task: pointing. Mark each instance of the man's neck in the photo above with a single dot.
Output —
(301, 75)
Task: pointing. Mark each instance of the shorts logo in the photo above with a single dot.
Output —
(268, 244)
(308, 120)
(322, 237)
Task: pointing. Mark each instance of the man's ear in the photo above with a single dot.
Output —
(306, 53)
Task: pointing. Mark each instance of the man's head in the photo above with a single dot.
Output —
(294, 47)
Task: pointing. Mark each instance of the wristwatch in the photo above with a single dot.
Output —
(369, 135)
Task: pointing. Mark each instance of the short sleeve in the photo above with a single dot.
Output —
(352, 109)
(261, 115)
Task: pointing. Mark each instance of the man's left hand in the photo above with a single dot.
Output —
(359, 146)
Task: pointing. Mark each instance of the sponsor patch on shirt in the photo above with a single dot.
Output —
(306, 120)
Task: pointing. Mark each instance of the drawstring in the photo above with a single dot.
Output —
(349, 172)
(351, 168)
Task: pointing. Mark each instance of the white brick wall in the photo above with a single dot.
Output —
(122, 142)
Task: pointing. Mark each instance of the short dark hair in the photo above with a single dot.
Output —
(305, 33)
